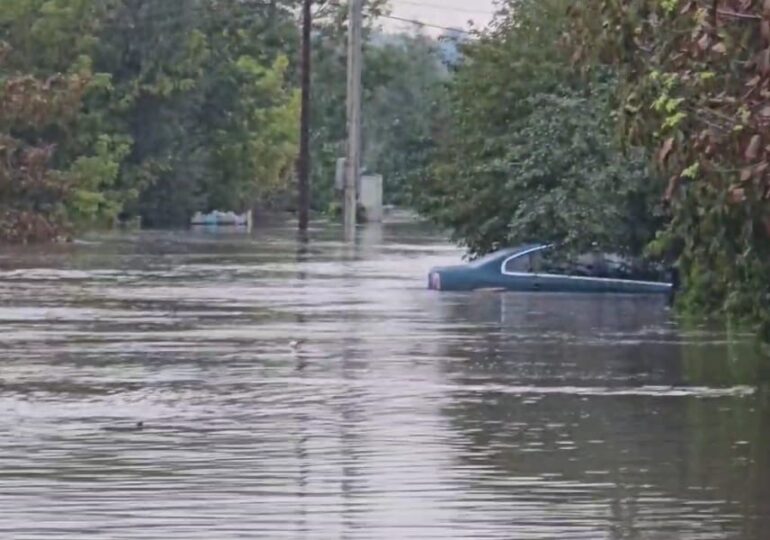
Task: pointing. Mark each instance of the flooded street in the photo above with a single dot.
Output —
(321, 391)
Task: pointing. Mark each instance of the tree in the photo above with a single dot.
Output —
(55, 40)
(529, 154)
(403, 95)
(406, 98)
(32, 192)
(187, 105)
(204, 91)
(694, 80)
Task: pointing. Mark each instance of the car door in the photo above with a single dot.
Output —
(518, 272)
(537, 269)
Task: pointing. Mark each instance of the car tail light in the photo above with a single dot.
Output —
(435, 281)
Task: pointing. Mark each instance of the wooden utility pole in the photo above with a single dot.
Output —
(355, 36)
(303, 163)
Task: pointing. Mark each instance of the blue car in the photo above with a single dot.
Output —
(543, 268)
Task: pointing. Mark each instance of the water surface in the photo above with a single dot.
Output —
(320, 391)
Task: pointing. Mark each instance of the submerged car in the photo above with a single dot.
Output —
(544, 268)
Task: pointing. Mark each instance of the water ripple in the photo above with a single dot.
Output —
(319, 391)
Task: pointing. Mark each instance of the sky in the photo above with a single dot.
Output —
(452, 13)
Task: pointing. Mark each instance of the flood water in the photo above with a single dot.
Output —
(321, 391)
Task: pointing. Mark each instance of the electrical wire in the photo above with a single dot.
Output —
(163, 18)
(444, 8)
(428, 25)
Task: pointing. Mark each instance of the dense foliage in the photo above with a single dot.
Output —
(183, 105)
(631, 125)
(47, 77)
(694, 86)
(206, 100)
(542, 129)
(403, 86)
(33, 193)
(529, 153)
(160, 108)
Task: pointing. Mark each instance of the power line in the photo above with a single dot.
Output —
(428, 25)
(445, 8)
(167, 18)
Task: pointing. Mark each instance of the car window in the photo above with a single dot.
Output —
(517, 264)
(559, 262)
(495, 256)
(486, 259)
(538, 262)
(593, 264)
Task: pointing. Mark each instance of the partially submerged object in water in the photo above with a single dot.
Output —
(139, 426)
(217, 218)
(543, 268)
